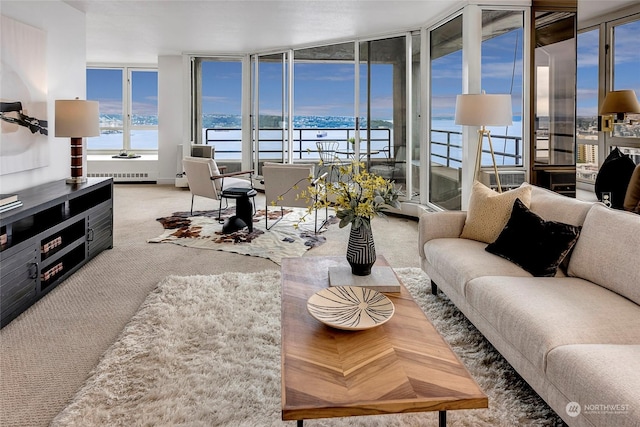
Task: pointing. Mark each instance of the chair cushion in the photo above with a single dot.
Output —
(231, 182)
(213, 166)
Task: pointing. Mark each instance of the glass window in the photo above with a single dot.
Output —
(445, 169)
(144, 110)
(555, 83)
(502, 46)
(626, 63)
(124, 93)
(270, 138)
(105, 86)
(323, 101)
(219, 99)
(383, 121)
(587, 106)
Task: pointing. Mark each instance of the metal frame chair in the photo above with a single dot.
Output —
(390, 169)
(328, 157)
(283, 183)
(205, 180)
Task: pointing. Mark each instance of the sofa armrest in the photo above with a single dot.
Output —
(439, 225)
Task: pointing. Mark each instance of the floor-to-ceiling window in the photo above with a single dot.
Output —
(587, 133)
(218, 105)
(323, 102)
(502, 73)
(413, 186)
(445, 168)
(383, 118)
(625, 63)
(607, 59)
(128, 103)
(307, 96)
(270, 115)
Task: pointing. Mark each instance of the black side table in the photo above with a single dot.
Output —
(244, 209)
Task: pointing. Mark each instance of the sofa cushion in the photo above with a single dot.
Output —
(555, 207)
(459, 260)
(534, 244)
(489, 211)
(607, 251)
(603, 379)
(538, 314)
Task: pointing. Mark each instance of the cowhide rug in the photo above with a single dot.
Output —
(290, 237)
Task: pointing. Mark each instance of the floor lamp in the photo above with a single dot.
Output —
(484, 110)
(77, 119)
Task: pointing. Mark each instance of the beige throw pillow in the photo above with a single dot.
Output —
(489, 211)
(632, 197)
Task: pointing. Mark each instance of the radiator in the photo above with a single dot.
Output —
(508, 179)
(125, 176)
(144, 169)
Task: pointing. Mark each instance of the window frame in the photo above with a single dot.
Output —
(127, 110)
(607, 78)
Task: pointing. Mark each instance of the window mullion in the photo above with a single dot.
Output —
(127, 108)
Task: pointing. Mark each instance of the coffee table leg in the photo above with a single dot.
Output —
(300, 423)
(442, 418)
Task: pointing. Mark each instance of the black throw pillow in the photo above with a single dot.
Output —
(536, 245)
(614, 176)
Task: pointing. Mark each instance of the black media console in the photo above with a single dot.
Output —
(58, 228)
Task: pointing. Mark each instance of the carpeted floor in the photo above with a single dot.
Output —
(204, 351)
(48, 352)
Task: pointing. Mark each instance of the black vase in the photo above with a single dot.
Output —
(361, 251)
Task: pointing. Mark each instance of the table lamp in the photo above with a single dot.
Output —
(484, 110)
(618, 103)
(77, 119)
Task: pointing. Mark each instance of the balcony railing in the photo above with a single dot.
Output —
(228, 142)
(512, 149)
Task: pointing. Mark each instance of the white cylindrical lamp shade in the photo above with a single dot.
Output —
(77, 118)
(620, 101)
(484, 110)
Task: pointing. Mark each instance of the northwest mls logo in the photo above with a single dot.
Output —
(573, 409)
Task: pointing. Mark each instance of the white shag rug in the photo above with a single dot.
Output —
(205, 351)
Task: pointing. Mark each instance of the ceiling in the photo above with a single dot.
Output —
(136, 32)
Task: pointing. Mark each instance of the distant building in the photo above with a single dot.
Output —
(587, 153)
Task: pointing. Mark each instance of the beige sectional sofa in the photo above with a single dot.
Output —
(574, 337)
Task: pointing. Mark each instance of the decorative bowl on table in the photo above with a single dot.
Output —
(350, 308)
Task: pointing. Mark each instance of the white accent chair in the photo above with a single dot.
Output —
(205, 180)
(283, 183)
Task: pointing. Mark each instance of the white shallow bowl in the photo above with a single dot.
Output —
(351, 308)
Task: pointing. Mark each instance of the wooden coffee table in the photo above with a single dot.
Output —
(401, 366)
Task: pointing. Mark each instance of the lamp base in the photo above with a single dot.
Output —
(76, 180)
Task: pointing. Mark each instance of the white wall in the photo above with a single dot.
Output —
(172, 120)
(66, 79)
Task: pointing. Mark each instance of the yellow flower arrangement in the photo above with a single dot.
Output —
(357, 195)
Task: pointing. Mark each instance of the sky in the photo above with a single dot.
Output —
(325, 88)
